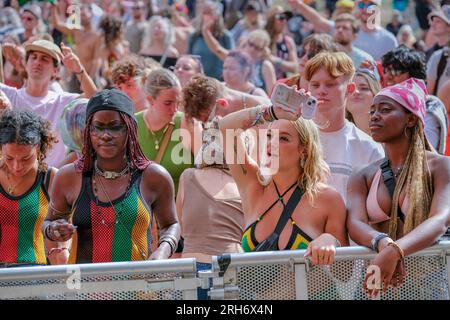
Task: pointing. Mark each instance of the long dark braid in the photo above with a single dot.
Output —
(134, 152)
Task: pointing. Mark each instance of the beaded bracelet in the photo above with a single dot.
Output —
(400, 250)
(259, 119)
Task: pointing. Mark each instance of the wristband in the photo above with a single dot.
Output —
(377, 239)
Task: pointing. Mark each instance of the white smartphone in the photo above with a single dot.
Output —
(291, 98)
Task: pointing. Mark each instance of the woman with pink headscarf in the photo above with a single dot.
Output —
(399, 205)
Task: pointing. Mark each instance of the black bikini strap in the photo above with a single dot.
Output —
(288, 210)
(280, 197)
(389, 181)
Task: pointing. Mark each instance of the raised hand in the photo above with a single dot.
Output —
(288, 102)
(70, 59)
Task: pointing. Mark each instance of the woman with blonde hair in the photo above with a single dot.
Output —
(399, 205)
(282, 46)
(257, 46)
(291, 207)
(406, 36)
(360, 101)
(158, 42)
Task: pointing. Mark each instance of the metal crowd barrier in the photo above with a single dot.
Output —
(143, 280)
(287, 275)
(249, 276)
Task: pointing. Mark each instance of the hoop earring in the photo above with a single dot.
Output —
(405, 132)
(261, 180)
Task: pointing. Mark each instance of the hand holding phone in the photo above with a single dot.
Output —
(297, 102)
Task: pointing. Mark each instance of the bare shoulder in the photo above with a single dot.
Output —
(328, 196)
(329, 202)
(157, 178)
(67, 181)
(438, 164)
(67, 172)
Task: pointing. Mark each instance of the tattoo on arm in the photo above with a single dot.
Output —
(244, 171)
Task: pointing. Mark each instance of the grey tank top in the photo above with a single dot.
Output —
(210, 226)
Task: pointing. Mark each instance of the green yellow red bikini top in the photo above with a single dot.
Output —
(298, 239)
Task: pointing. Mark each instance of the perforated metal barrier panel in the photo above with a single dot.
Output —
(427, 279)
(102, 282)
(266, 282)
(273, 276)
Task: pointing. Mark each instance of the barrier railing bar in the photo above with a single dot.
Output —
(344, 253)
(94, 269)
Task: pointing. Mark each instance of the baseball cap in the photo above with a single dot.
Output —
(253, 5)
(345, 4)
(34, 9)
(443, 13)
(110, 99)
(47, 47)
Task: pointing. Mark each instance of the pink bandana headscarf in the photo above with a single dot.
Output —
(411, 94)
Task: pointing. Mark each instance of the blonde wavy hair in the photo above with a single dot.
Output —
(169, 38)
(262, 39)
(416, 178)
(314, 170)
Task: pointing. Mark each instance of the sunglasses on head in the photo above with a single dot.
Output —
(281, 17)
(362, 5)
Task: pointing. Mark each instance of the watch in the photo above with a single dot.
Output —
(377, 239)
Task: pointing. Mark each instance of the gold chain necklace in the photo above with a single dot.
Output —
(12, 188)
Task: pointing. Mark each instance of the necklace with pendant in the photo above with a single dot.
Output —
(158, 140)
(99, 211)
